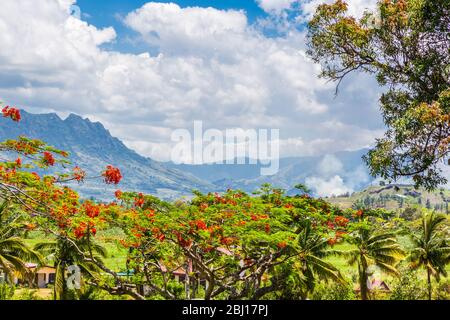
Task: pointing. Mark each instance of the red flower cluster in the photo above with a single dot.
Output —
(330, 225)
(226, 241)
(332, 241)
(255, 217)
(139, 201)
(12, 113)
(340, 234)
(359, 213)
(79, 174)
(118, 194)
(341, 221)
(201, 225)
(49, 160)
(282, 245)
(30, 226)
(150, 213)
(82, 230)
(19, 162)
(185, 243)
(92, 211)
(219, 199)
(112, 175)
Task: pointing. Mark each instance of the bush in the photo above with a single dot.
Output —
(442, 292)
(333, 291)
(6, 291)
(409, 287)
(27, 294)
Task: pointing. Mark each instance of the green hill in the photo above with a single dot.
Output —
(395, 197)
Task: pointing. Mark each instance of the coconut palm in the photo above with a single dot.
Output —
(431, 247)
(66, 253)
(312, 249)
(14, 253)
(373, 249)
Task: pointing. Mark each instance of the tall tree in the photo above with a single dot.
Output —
(431, 249)
(406, 45)
(312, 249)
(372, 248)
(64, 254)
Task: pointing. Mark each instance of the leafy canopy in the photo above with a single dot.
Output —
(406, 46)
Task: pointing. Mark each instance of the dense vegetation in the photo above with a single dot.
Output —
(215, 246)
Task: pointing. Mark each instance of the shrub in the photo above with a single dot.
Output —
(334, 291)
(409, 287)
(6, 291)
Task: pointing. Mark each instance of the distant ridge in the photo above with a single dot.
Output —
(92, 147)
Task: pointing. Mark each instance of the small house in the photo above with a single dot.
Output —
(42, 275)
(375, 285)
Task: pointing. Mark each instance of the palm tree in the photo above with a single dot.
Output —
(66, 253)
(14, 253)
(312, 249)
(373, 248)
(431, 247)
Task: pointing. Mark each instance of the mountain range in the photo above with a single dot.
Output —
(92, 147)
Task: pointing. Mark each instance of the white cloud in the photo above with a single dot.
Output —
(211, 65)
(275, 5)
(356, 8)
(306, 8)
(168, 19)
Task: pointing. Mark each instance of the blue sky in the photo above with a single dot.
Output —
(106, 13)
(103, 12)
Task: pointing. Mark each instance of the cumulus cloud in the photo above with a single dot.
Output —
(306, 8)
(275, 5)
(356, 8)
(210, 65)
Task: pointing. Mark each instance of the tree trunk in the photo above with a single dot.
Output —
(187, 280)
(363, 282)
(429, 283)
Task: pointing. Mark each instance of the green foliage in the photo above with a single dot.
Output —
(442, 292)
(431, 247)
(373, 247)
(406, 45)
(26, 294)
(6, 291)
(14, 253)
(408, 286)
(64, 254)
(334, 291)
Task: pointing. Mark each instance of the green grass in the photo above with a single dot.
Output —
(115, 260)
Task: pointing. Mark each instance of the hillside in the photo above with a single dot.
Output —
(92, 147)
(347, 166)
(396, 196)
